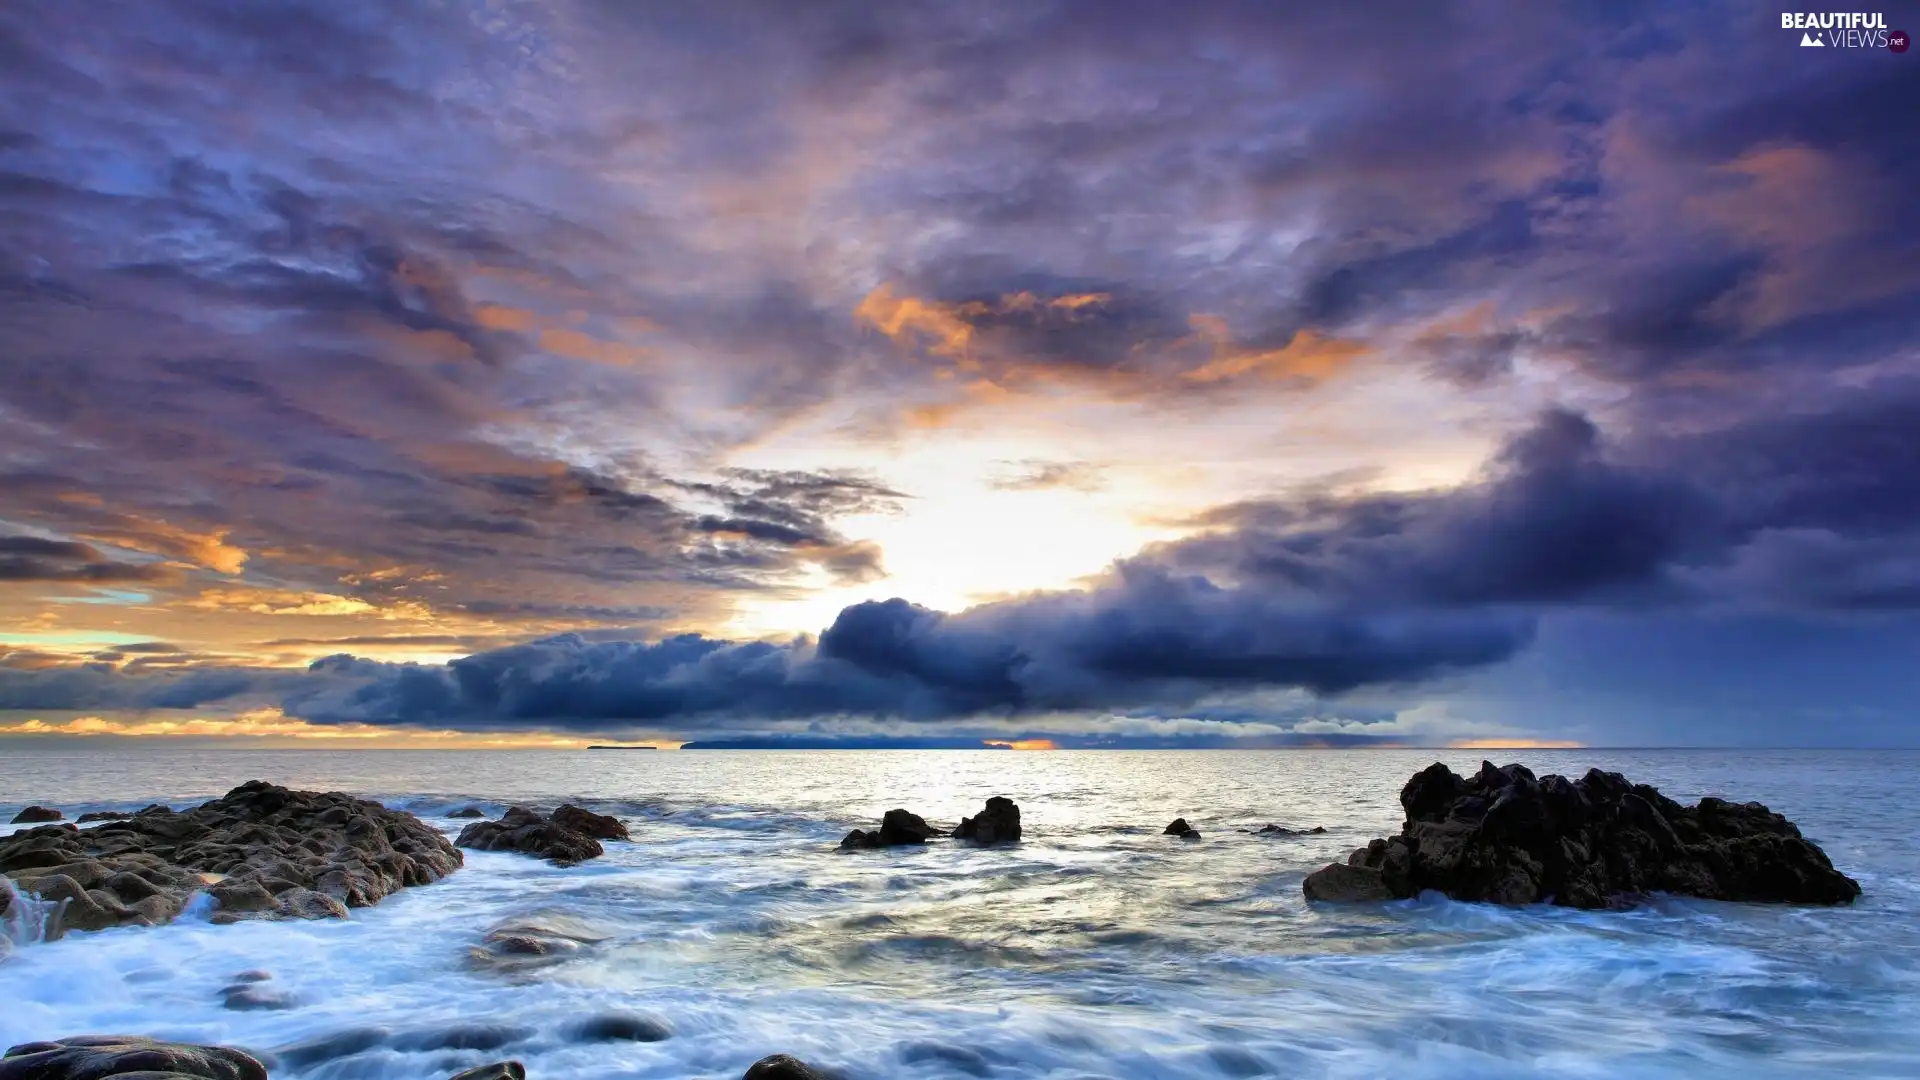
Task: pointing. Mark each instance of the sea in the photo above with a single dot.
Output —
(1096, 947)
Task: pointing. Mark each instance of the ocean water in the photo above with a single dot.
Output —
(1095, 948)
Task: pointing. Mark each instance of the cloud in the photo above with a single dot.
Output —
(31, 558)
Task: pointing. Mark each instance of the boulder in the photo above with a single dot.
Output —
(897, 827)
(103, 815)
(261, 851)
(621, 1027)
(468, 812)
(532, 941)
(34, 815)
(1275, 830)
(1503, 836)
(522, 830)
(588, 823)
(499, 1070)
(784, 1067)
(999, 823)
(1181, 829)
(93, 1057)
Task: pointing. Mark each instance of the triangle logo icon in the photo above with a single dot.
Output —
(1808, 41)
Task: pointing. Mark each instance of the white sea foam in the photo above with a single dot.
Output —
(1096, 948)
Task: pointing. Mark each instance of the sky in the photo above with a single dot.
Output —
(500, 372)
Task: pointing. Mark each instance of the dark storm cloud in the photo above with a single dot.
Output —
(30, 558)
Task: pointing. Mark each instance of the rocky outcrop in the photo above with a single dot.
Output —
(102, 815)
(896, 827)
(1181, 829)
(999, 823)
(261, 851)
(783, 1067)
(94, 1057)
(522, 830)
(588, 823)
(33, 815)
(1505, 837)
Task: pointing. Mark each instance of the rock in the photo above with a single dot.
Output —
(468, 812)
(1181, 829)
(33, 815)
(783, 1067)
(255, 997)
(532, 942)
(268, 851)
(482, 1037)
(340, 1044)
(897, 827)
(999, 823)
(1348, 884)
(1275, 830)
(103, 815)
(588, 823)
(92, 1057)
(522, 830)
(621, 1027)
(499, 1070)
(1503, 836)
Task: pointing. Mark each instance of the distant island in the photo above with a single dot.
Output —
(622, 748)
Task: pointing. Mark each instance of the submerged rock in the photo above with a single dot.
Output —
(621, 1027)
(35, 814)
(1181, 829)
(784, 1067)
(896, 827)
(1599, 841)
(261, 851)
(999, 823)
(1275, 830)
(102, 815)
(532, 941)
(468, 812)
(499, 1070)
(522, 830)
(93, 1057)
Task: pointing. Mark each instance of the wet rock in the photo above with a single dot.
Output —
(261, 850)
(897, 827)
(622, 1027)
(468, 812)
(103, 815)
(463, 1037)
(499, 1070)
(1275, 830)
(532, 942)
(588, 823)
(33, 815)
(93, 1057)
(340, 1044)
(958, 1058)
(1346, 884)
(255, 997)
(784, 1067)
(998, 823)
(1179, 827)
(254, 975)
(1503, 836)
(522, 830)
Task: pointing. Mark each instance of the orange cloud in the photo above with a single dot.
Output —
(1309, 355)
(502, 317)
(261, 601)
(1022, 744)
(272, 723)
(156, 537)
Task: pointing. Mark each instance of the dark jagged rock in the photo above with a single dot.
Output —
(94, 1057)
(622, 1027)
(522, 830)
(468, 812)
(102, 815)
(261, 851)
(1505, 837)
(1275, 830)
(896, 827)
(1181, 829)
(588, 823)
(784, 1067)
(999, 823)
(499, 1070)
(33, 815)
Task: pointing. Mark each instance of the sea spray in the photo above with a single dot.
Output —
(28, 919)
